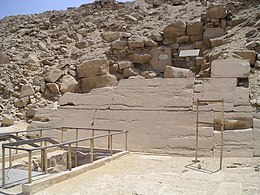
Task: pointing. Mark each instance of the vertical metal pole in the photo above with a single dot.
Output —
(126, 140)
(10, 155)
(41, 135)
(92, 150)
(42, 159)
(16, 151)
(45, 160)
(3, 167)
(93, 134)
(222, 136)
(108, 140)
(111, 147)
(197, 131)
(77, 136)
(61, 136)
(30, 166)
(69, 157)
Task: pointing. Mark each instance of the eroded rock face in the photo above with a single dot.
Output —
(53, 53)
(173, 72)
(230, 68)
(87, 84)
(4, 59)
(175, 29)
(97, 67)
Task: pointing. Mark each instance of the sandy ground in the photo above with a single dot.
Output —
(149, 174)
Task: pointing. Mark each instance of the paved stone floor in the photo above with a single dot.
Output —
(165, 175)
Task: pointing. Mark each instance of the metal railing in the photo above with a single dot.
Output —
(67, 145)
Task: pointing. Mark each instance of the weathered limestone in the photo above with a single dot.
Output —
(242, 96)
(210, 33)
(216, 12)
(195, 28)
(7, 120)
(54, 88)
(68, 84)
(140, 58)
(236, 143)
(140, 94)
(256, 134)
(175, 29)
(26, 90)
(161, 57)
(230, 68)
(100, 98)
(4, 59)
(87, 84)
(111, 36)
(119, 44)
(90, 68)
(217, 88)
(124, 64)
(54, 75)
(173, 72)
(81, 44)
(22, 102)
(248, 55)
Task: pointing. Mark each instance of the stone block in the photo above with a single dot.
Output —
(140, 94)
(7, 120)
(54, 75)
(175, 29)
(247, 55)
(140, 58)
(256, 125)
(235, 137)
(111, 36)
(87, 84)
(4, 59)
(242, 96)
(230, 68)
(100, 98)
(216, 12)
(244, 109)
(90, 68)
(68, 84)
(26, 90)
(54, 88)
(136, 44)
(161, 57)
(210, 33)
(183, 39)
(124, 64)
(213, 33)
(81, 44)
(215, 42)
(119, 45)
(218, 88)
(22, 102)
(173, 72)
(195, 28)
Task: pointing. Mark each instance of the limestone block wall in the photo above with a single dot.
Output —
(160, 116)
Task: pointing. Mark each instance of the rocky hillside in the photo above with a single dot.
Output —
(43, 56)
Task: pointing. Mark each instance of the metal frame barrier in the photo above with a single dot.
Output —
(198, 103)
(67, 145)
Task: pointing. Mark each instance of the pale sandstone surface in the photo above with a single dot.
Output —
(150, 174)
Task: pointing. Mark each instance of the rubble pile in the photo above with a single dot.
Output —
(43, 56)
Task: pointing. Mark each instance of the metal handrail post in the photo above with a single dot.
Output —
(30, 166)
(197, 131)
(3, 167)
(222, 136)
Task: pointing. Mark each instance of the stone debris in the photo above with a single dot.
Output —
(43, 56)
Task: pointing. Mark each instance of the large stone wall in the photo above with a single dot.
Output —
(160, 115)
